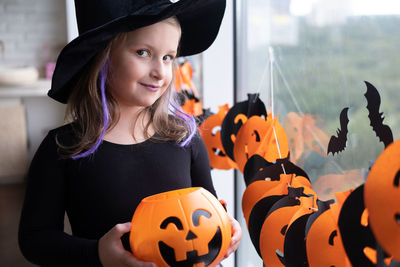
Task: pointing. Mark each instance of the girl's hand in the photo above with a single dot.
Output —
(113, 254)
(236, 236)
(236, 232)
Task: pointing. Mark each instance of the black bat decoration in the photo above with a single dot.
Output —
(383, 132)
(337, 144)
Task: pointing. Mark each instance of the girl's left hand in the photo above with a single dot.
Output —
(236, 236)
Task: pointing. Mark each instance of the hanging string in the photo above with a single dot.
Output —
(261, 81)
(271, 78)
(285, 82)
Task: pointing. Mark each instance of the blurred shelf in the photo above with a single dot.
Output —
(39, 88)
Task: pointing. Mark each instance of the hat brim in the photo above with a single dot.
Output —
(200, 22)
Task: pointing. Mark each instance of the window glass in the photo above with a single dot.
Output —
(310, 59)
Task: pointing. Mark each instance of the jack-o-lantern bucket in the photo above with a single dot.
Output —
(180, 228)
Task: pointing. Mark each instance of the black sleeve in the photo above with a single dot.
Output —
(41, 234)
(200, 168)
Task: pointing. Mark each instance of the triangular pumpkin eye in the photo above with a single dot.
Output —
(173, 220)
(397, 179)
(196, 216)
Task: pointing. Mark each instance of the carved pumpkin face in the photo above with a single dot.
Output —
(260, 189)
(210, 131)
(279, 217)
(236, 117)
(258, 212)
(295, 244)
(382, 199)
(266, 138)
(324, 243)
(180, 228)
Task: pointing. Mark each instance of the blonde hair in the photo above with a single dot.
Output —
(86, 112)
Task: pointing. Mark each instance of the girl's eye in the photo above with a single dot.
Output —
(168, 58)
(142, 53)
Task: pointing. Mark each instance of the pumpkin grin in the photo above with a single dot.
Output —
(214, 247)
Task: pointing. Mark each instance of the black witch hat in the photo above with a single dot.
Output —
(101, 20)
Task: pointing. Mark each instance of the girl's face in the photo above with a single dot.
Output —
(141, 65)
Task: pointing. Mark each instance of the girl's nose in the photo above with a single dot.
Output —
(158, 69)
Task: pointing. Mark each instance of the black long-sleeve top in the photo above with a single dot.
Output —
(98, 192)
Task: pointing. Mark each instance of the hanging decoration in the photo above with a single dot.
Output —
(382, 199)
(186, 90)
(210, 131)
(259, 136)
(324, 246)
(277, 221)
(236, 117)
(289, 224)
(383, 132)
(338, 143)
(294, 248)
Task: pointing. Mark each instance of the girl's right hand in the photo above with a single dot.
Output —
(113, 254)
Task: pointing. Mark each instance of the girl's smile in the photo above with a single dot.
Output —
(153, 88)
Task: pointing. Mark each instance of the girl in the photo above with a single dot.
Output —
(126, 139)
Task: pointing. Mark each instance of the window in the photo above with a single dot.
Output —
(309, 60)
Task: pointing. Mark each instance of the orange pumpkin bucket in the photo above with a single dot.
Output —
(180, 228)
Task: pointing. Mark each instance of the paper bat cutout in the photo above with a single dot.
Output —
(338, 144)
(383, 132)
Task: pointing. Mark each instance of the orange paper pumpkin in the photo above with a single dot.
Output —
(210, 131)
(382, 199)
(295, 244)
(328, 184)
(266, 138)
(272, 234)
(304, 136)
(264, 188)
(183, 78)
(261, 189)
(192, 107)
(236, 117)
(253, 193)
(183, 84)
(260, 209)
(314, 138)
(180, 228)
(294, 130)
(323, 242)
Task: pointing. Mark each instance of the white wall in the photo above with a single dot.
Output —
(33, 32)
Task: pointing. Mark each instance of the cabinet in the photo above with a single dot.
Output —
(27, 114)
